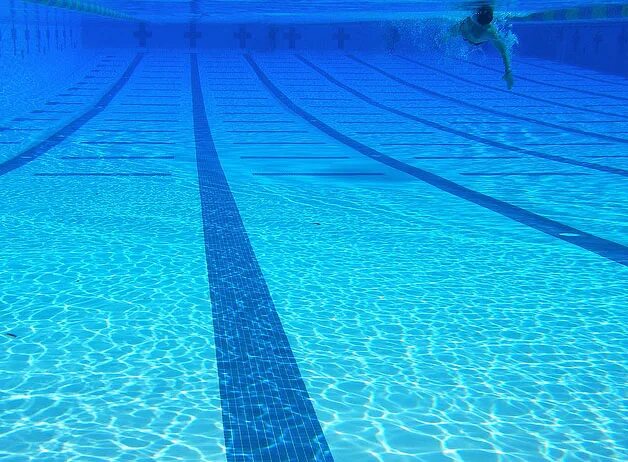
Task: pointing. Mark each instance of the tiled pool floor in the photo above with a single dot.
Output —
(288, 257)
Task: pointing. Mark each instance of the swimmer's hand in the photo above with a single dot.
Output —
(508, 78)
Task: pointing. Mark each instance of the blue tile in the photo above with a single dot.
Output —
(114, 157)
(608, 249)
(267, 413)
(478, 107)
(501, 90)
(127, 142)
(295, 157)
(425, 144)
(115, 174)
(463, 134)
(523, 173)
(280, 143)
(260, 121)
(468, 157)
(60, 135)
(141, 120)
(318, 174)
(267, 131)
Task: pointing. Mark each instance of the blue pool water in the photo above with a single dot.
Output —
(217, 252)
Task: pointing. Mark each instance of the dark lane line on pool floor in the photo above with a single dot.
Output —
(267, 412)
(322, 174)
(462, 134)
(562, 71)
(295, 157)
(103, 174)
(475, 106)
(501, 90)
(114, 157)
(547, 84)
(60, 135)
(603, 247)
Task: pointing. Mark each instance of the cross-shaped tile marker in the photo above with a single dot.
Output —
(341, 37)
(597, 39)
(14, 38)
(392, 38)
(272, 36)
(27, 38)
(142, 34)
(292, 35)
(243, 36)
(192, 34)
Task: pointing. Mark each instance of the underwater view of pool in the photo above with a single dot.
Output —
(313, 231)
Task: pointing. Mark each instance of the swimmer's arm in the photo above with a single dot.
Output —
(454, 30)
(503, 51)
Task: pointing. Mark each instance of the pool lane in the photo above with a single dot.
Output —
(267, 413)
(608, 249)
(532, 183)
(424, 327)
(68, 129)
(609, 96)
(42, 109)
(591, 165)
(105, 288)
(480, 84)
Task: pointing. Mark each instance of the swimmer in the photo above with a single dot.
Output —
(477, 29)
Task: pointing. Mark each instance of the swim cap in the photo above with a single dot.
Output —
(484, 15)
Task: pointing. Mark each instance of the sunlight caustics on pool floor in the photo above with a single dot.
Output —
(316, 256)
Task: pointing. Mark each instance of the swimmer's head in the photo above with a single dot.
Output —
(483, 15)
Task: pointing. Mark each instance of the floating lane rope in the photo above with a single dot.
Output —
(588, 13)
(83, 7)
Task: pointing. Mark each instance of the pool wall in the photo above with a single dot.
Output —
(28, 29)
(599, 45)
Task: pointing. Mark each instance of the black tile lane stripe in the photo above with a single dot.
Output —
(279, 143)
(294, 157)
(467, 157)
(251, 113)
(394, 133)
(266, 410)
(608, 156)
(114, 157)
(115, 174)
(128, 130)
(501, 90)
(60, 135)
(20, 129)
(595, 79)
(523, 173)
(142, 120)
(259, 121)
(266, 131)
(151, 104)
(426, 144)
(463, 134)
(107, 143)
(332, 174)
(553, 85)
(475, 106)
(603, 247)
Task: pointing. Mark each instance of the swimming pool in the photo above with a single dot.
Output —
(298, 255)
